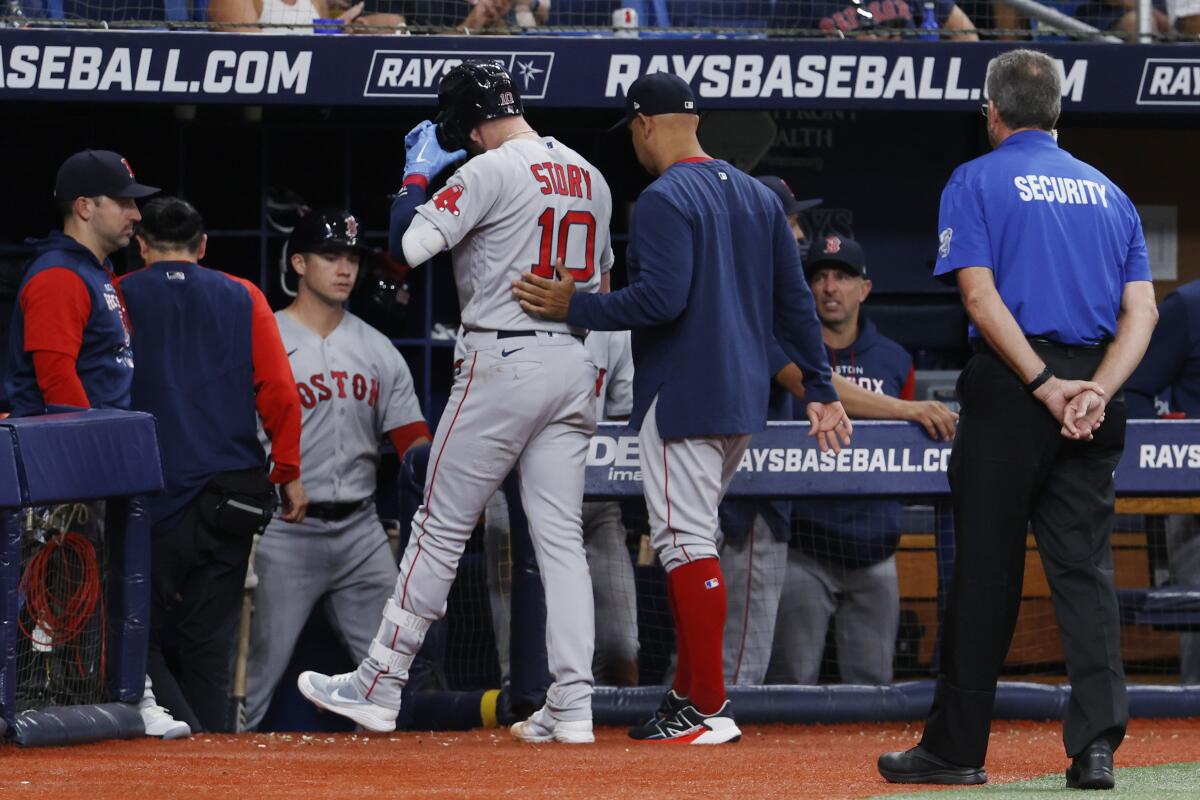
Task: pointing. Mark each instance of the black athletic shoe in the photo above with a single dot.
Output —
(689, 726)
(1093, 768)
(668, 707)
(918, 765)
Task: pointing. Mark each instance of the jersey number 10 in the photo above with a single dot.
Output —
(545, 266)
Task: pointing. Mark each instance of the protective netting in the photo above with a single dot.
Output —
(922, 19)
(846, 591)
(61, 605)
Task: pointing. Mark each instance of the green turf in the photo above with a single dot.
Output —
(1138, 783)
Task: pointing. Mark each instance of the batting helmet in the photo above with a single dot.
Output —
(323, 230)
(470, 93)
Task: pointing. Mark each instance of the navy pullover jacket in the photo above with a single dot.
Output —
(852, 532)
(1172, 361)
(714, 272)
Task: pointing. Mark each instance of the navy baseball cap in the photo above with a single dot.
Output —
(790, 204)
(92, 173)
(836, 250)
(657, 93)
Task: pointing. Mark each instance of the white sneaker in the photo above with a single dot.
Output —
(159, 722)
(341, 695)
(542, 727)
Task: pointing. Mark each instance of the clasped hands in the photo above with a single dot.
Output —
(1078, 406)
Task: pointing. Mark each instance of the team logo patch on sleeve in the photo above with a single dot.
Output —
(712, 583)
(944, 238)
(447, 199)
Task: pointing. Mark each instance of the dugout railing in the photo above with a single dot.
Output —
(1159, 473)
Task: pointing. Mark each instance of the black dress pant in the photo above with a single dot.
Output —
(197, 577)
(1011, 466)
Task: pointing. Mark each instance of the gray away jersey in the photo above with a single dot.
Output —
(612, 353)
(354, 387)
(517, 209)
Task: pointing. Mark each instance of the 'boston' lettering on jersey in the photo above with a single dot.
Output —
(1071, 191)
(358, 385)
(570, 182)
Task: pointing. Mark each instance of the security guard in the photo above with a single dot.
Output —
(1049, 257)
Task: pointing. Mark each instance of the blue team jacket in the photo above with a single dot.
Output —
(714, 272)
(193, 342)
(1172, 360)
(105, 360)
(850, 532)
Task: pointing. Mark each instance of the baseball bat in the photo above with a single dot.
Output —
(237, 699)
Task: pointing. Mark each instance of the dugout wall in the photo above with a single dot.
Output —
(874, 128)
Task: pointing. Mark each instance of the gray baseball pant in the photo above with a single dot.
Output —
(866, 604)
(347, 564)
(536, 409)
(755, 569)
(1183, 558)
(613, 588)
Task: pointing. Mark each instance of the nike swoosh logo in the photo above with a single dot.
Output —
(420, 153)
(337, 695)
(294, 349)
(507, 353)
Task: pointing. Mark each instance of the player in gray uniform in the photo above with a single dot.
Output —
(613, 589)
(354, 388)
(523, 397)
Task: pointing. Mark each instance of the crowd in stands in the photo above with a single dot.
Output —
(850, 18)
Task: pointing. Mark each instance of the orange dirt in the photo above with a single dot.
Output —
(771, 761)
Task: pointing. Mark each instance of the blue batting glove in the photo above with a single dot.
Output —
(423, 155)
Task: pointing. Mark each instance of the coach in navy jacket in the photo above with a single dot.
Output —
(701, 336)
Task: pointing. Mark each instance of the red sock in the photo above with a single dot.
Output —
(700, 614)
(683, 663)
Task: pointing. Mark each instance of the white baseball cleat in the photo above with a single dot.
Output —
(159, 722)
(341, 695)
(542, 727)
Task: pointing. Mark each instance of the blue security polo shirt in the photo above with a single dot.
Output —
(1060, 238)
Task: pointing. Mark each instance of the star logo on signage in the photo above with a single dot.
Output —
(528, 71)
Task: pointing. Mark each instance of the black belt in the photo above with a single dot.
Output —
(334, 512)
(517, 334)
(981, 346)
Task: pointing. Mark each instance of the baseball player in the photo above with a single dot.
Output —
(354, 388)
(524, 395)
(613, 589)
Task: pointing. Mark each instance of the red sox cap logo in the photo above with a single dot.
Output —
(352, 227)
(832, 245)
(128, 168)
(447, 199)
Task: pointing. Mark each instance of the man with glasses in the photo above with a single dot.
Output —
(1056, 281)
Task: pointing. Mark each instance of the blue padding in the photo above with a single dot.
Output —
(10, 576)
(442, 711)
(10, 484)
(128, 597)
(86, 455)
(900, 702)
(1166, 607)
(61, 725)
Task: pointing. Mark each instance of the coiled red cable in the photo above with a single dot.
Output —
(70, 560)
